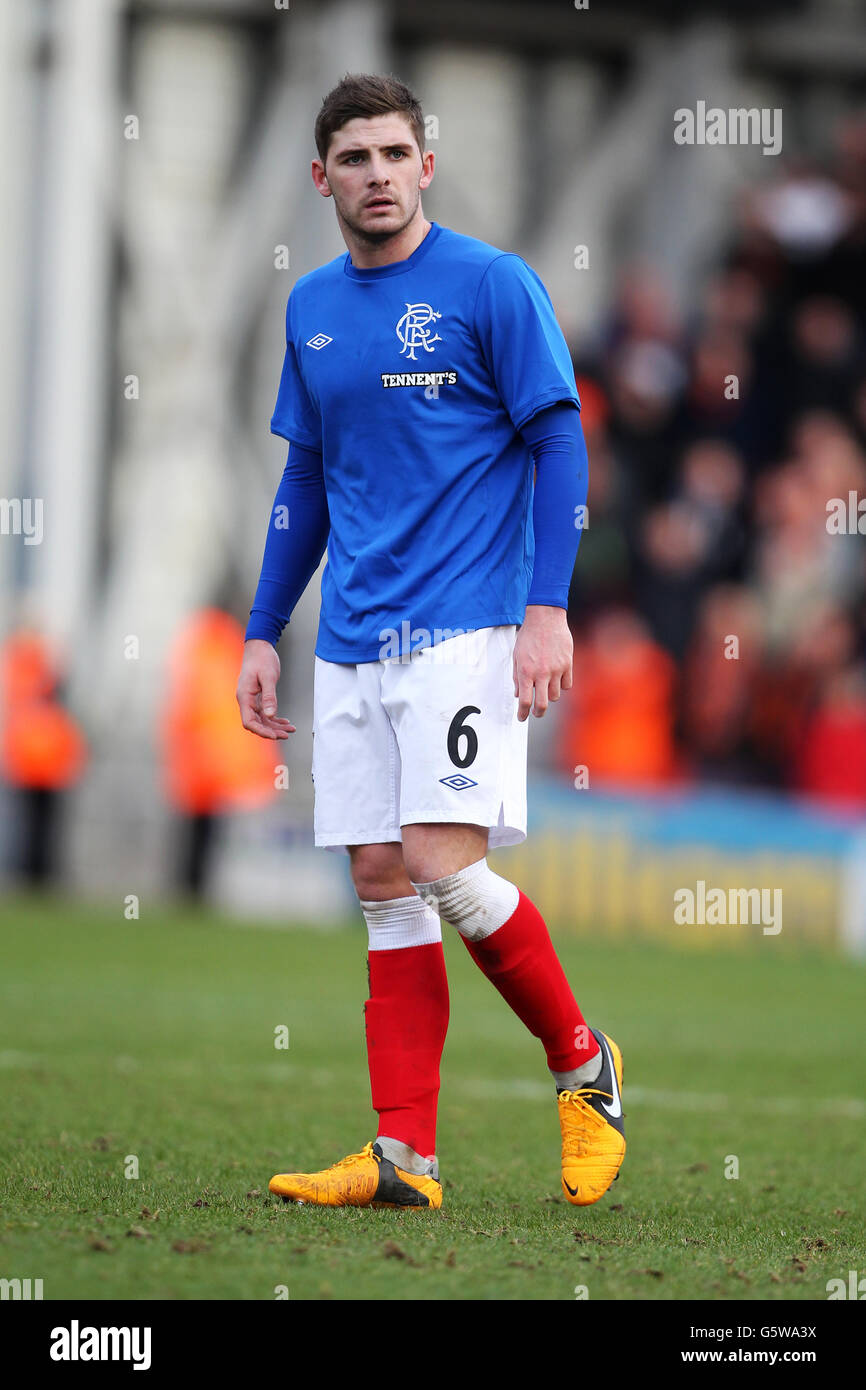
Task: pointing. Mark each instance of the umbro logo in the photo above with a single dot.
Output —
(321, 340)
(457, 782)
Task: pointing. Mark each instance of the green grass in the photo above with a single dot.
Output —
(156, 1039)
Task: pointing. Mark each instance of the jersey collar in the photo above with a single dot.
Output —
(381, 272)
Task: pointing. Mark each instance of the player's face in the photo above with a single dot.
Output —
(375, 172)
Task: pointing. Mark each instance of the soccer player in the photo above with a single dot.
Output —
(425, 377)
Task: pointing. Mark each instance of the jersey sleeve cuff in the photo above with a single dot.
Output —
(263, 627)
(294, 436)
(551, 397)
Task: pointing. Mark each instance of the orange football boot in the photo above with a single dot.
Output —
(593, 1133)
(365, 1179)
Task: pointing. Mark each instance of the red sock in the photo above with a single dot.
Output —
(519, 959)
(406, 1021)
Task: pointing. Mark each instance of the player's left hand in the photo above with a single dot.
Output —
(542, 659)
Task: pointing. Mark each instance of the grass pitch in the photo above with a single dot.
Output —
(149, 1046)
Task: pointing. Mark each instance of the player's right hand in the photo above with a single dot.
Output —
(257, 691)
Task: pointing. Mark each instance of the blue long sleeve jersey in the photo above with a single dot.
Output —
(300, 523)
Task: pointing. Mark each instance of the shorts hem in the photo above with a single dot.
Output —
(500, 836)
(340, 841)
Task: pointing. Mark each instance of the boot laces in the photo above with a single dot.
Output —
(567, 1096)
(366, 1152)
(584, 1123)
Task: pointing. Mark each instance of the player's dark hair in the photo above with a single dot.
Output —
(366, 94)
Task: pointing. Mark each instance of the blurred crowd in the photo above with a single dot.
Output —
(718, 598)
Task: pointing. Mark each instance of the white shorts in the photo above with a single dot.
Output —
(429, 738)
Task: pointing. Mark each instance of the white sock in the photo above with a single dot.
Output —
(406, 1158)
(581, 1076)
(475, 900)
(400, 922)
